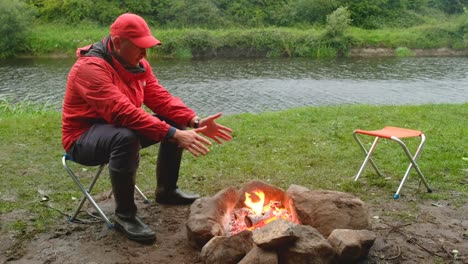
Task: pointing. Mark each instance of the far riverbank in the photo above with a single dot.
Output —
(435, 40)
(386, 52)
(353, 53)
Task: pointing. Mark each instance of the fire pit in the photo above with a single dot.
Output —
(261, 223)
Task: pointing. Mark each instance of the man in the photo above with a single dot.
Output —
(103, 120)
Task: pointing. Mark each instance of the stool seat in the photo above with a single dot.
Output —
(394, 134)
(389, 131)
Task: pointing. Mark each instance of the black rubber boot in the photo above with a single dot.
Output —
(126, 221)
(167, 175)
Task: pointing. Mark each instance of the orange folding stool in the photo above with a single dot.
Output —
(395, 134)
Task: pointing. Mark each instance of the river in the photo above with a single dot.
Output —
(234, 86)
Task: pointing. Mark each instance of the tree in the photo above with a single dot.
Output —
(312, 11)
(448, 6)
(15, 20)
(188, 13)
(366, 13)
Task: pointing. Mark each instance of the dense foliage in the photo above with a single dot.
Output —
(15, 19)
(250, 13)
(302, 28)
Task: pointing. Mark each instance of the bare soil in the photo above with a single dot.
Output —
(425, 232)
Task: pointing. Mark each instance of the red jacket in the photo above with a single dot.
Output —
(98, 91)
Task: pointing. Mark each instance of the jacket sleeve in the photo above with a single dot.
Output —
(160, 101)
(94, 82)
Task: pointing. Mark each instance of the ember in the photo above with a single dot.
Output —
(256, 214)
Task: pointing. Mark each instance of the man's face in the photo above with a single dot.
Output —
(128, 51)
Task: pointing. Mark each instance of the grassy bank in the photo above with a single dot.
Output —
(51, 39)
(312, 147)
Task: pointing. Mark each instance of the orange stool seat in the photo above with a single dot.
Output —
(394, 134)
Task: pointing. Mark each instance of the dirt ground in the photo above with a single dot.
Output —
(437, 234)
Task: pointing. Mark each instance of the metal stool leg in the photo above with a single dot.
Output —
(368, 156)
(411, 165)
(85, 192)
(145, 200)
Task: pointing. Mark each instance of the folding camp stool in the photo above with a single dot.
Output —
(395, 134)
(87, 192)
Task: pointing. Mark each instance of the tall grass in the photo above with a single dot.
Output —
(56, 39)
(435, 33)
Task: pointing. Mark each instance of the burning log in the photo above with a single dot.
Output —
(257, 215)
(256, 219)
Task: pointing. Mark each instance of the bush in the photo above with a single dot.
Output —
(404, 52)
(337, 24)
(187, 13)
(313, 11)
(15, 21)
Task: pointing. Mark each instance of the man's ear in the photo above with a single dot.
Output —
(117, 41)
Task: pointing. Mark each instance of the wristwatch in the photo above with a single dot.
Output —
(196, 123)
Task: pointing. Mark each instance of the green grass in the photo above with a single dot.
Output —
(403, 52)
(310, 146)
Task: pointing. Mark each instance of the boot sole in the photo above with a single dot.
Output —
(175, 202)
(143, 240)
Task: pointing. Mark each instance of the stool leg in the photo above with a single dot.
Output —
(90, 188)
(368, 157)
(411, 165)
(86, 193)
(146, 200)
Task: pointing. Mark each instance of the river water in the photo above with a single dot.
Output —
(256, 85)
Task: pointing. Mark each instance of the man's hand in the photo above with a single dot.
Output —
(197, 144)
(213, 130)
(192, 141)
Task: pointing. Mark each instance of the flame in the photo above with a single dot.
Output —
(257, 207)
(257, 214)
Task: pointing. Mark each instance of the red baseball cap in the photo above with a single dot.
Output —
(134, 28)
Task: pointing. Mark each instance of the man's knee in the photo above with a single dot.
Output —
(127, 138)
(125, 153)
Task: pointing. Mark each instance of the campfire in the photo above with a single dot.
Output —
(261, 223)
(256, 214)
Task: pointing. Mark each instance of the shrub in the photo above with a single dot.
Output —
(314, 10)
(337, 24)
(403, 52)
(15, 21)
(186, 13)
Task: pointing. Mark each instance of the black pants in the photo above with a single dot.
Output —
(117, 146)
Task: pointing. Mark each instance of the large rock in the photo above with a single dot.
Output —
(328, 210)
(351, 245)
(260, 256)
(227, 250)
(209, 216)
(277, 234)
(310, 248)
